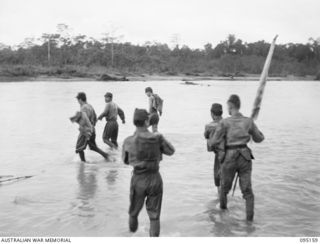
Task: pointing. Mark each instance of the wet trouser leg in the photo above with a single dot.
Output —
(133, 223)
(245, 169)
(98, 150)
(154, 228)
(153, 203)
(93, 146)
(216, 173)
(110, 134)
(114, 136)
(154, 121)
(228, 171)
(146, 186)
(82, 157)
(137, 197)
(81, 145)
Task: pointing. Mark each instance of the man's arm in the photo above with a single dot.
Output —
(125, 153)
(94, 117)
(166, 147)
(256, 134)
(208, 130)
(121, 115)
(104, 113)
(151, 101)
(76, 117)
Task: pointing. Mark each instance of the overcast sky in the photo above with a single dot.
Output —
(196, 22)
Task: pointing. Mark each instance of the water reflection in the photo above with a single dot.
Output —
(87, 188)
(112, 176)
(227, 222)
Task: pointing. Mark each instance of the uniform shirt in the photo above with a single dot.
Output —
(88, 109)
(210, 130)
(85, 126)
(112, 111)
(236, 130)
(152, 104)
(130, 151)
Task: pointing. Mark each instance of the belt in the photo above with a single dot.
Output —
(111, 120)
(233, 147)
(140, 171)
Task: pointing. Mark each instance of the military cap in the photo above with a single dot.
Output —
(235, 100)
(216, 108)
(140, 115)
(108, 94)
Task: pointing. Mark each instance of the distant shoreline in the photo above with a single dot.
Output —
(189, 80)
(22, 73)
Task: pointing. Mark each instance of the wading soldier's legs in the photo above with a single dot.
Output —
(137, 196)
(216, 173)
(110, 134)
(93, 146)
(154, 121)
(245, 169)
(153, 203)
(114, 134)
(228, 170)
(81, 146)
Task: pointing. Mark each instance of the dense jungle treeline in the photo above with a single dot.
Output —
(230, 57)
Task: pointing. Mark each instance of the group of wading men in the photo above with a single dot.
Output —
(226, 138)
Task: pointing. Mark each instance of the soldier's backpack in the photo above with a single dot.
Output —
(148, 148)
(158, 103)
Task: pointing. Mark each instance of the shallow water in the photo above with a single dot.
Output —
(67, 197)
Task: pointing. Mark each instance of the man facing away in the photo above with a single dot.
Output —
(155, 108)
(237, 130)
(111, 112)
(143, 150)
(86, 119)
(216, 114)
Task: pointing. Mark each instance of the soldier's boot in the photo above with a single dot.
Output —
(154, 228)
(223, 200)
(250, 208)
(133, 224)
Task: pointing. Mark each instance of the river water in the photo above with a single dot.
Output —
(69, 198)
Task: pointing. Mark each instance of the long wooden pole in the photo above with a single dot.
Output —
(263, 81)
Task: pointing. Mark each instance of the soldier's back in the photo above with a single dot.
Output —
(237, 129)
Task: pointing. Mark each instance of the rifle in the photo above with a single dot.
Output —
(260, 91)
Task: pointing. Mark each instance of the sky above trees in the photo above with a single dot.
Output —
(190, 22)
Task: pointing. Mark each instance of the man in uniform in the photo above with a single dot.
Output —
(86, 119)
(216, 114)
(237, 131)
(111, 112)
(143, 150)
(155, 108)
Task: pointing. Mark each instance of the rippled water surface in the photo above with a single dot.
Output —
(67, 197)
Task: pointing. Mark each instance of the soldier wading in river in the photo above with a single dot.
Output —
(237, 130)
(143, 150)
(86, 118)
(111, 113)
(155, 108)
(216, 114)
